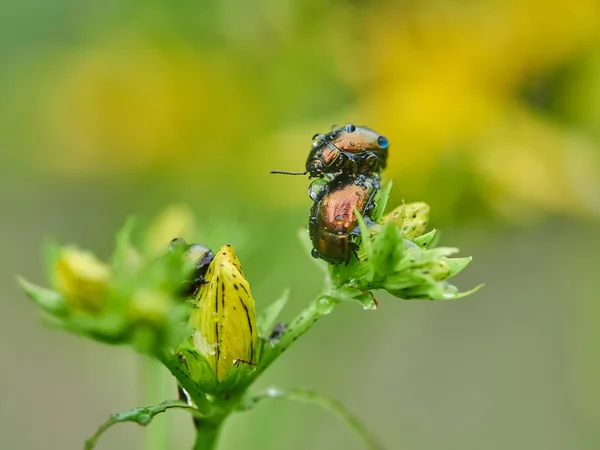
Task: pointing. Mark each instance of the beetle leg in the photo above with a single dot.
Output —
(361, 181)
(371, 162)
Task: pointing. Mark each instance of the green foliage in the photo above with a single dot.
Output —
(396, 255)
(136, 299)
(142, 416)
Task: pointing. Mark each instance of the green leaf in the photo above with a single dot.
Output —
(456, 265)
(193, 366)
(364, 297)
(307, 396)
(47, 299)
(387, 251)
(266, 320)
(142, 416)
(190, 368)
(381, 201)
(427, 240)
(123, 246)
(364, 233)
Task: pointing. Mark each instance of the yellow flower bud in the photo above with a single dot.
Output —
(82, 279)
(224, 320)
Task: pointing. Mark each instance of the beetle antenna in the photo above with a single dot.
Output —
(279, 172)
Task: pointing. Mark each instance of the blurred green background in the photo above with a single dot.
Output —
(492, 109)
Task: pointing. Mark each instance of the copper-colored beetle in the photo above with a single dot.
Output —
(349, 151)
(333, 224)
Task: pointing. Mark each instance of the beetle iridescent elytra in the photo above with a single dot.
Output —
(352, 150)
(333, 225)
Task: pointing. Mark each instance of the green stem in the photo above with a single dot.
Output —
(207, 435)
(153, 390)
(316, 309)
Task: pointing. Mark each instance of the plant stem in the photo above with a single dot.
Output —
(319, 307)
(207, 435)
(152, 391)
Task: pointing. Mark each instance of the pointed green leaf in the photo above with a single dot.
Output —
(426, 240)
(50, 301)
(122, 250)
(266, 320)
(307, 396)
(387, 251)
(381, 201)
(364, 233)
(457, 265)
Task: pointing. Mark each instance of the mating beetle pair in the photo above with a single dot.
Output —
(347, 164)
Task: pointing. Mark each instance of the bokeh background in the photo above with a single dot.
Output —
(492, 108)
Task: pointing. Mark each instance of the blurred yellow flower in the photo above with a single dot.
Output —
(82, 279)
(130, 104)
(175, 221)
(447, 80)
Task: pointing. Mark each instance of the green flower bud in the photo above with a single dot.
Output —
(411, 218)
(439, 269)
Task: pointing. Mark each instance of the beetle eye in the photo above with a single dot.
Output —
(332, 135)
(383, 142)
(350, 128)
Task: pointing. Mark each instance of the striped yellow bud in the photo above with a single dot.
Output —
(224, 319)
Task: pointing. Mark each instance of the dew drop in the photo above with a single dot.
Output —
(370, 305)
(325, 305)
(450, 291)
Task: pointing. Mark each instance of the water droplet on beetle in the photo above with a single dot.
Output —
(317, 139)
